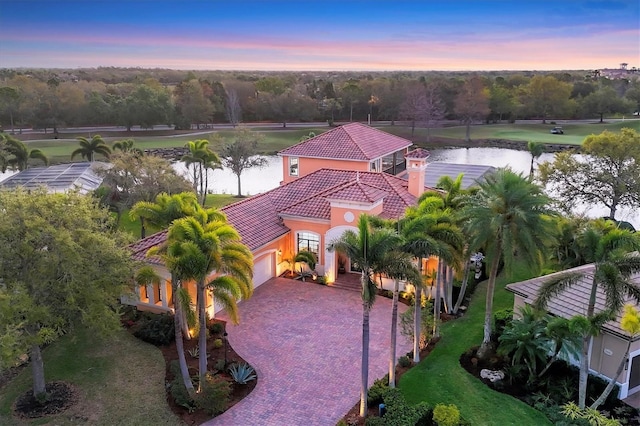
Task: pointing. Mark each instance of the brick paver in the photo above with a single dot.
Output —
(304, 340)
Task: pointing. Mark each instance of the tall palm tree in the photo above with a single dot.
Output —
(398, 266)
(17, 154)
(366, 249)
(200, 158)
(608, 248)
(429, 230)
(507, 217)
(90, 147)
(212, 245)
(167, 208)
(536, 149)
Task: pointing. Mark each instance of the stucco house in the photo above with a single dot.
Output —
(608, 348)
(311, 208)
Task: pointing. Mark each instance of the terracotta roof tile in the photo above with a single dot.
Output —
(258, 219)
(574, 300)
(353, 141)
(418, 153)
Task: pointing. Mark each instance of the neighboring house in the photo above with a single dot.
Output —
(353, 146)
(608, 348)
(59, 178)
(306, 213)
(473, 173)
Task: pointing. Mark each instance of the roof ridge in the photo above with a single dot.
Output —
(344, 127)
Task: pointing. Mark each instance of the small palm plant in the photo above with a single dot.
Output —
(309, 259)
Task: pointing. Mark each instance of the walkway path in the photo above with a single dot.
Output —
(304, 340)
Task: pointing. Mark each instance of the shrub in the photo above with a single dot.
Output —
(501, 319)
(376, 392)
(217, 343)
(242, 373)
(214, 395)
(216, 328)
(446, 415)
(399, 413)
(157, 329)
(180, 394)
(426, 326)
(404, 361)
(219, 365)
(194, 352)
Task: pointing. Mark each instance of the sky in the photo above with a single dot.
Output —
(328, 35)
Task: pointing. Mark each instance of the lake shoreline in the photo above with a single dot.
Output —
(448, 143)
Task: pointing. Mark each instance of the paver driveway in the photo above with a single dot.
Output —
(304, 341)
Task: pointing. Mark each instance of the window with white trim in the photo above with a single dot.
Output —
(310, 242)
(293, 166)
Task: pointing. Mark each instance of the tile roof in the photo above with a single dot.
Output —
(353, 141)
(259, 219)
(574, 300)
(418, 153)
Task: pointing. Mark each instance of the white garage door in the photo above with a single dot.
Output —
(263, 269)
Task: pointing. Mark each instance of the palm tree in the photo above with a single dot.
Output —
(167, 208)
(17, 155)
(508, 217)
(90, 147)
(211, 244)
(200, 158)
(127, 145)
(607, 247)
(536, 149)
(429, 230)
(366, 249)
(398, 266)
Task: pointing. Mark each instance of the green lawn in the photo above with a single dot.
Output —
(439, 378)
(119, 381)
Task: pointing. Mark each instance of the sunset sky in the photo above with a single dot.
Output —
(321, 35)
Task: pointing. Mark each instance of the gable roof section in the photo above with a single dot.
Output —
(574, 300)
(258, 219)
(353, 141)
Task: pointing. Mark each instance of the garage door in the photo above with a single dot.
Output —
(263, 269)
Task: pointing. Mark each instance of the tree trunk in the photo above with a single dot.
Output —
(37, 370)
(143, 230)
(612, 383)
(584, 372)
(601, 117)
(394, 328)
(177, 318)
(448, 289)
(417, 320)
(365, 359)
(531, 169)
(485, 348)
(463, 288)
(467, 137)
(239, 187)
(413, 127)
(436, 301)
(202, 334)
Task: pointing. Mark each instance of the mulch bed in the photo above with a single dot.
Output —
(60, 396)
(238, 391)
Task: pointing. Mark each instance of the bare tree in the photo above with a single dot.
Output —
(414, 107)
(434, 106)
(472, 103)
(232, 106)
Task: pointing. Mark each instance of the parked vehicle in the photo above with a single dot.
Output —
(557, 131)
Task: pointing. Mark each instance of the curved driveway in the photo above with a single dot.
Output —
(304, 340)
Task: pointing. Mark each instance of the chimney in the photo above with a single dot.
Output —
(416, 167)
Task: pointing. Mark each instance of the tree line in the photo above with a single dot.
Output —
(49, 99)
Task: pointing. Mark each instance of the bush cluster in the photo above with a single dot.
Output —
(157, 329)
(399, 413)
(376, 392)
(216, 328)
(446, 415)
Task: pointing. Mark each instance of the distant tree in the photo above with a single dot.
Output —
(435, 107)
(201, 159)
(415, 106)
(350, 93)
(90, 147)
(62, 265)
(241, 153)
(9, 102)
(607, 172)
(603, 101)
(501, 101)
(192, 107)
(17, 154)
(288, 106)
(232, 106)
(546, 96)
(126, 145)
(472, 103)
